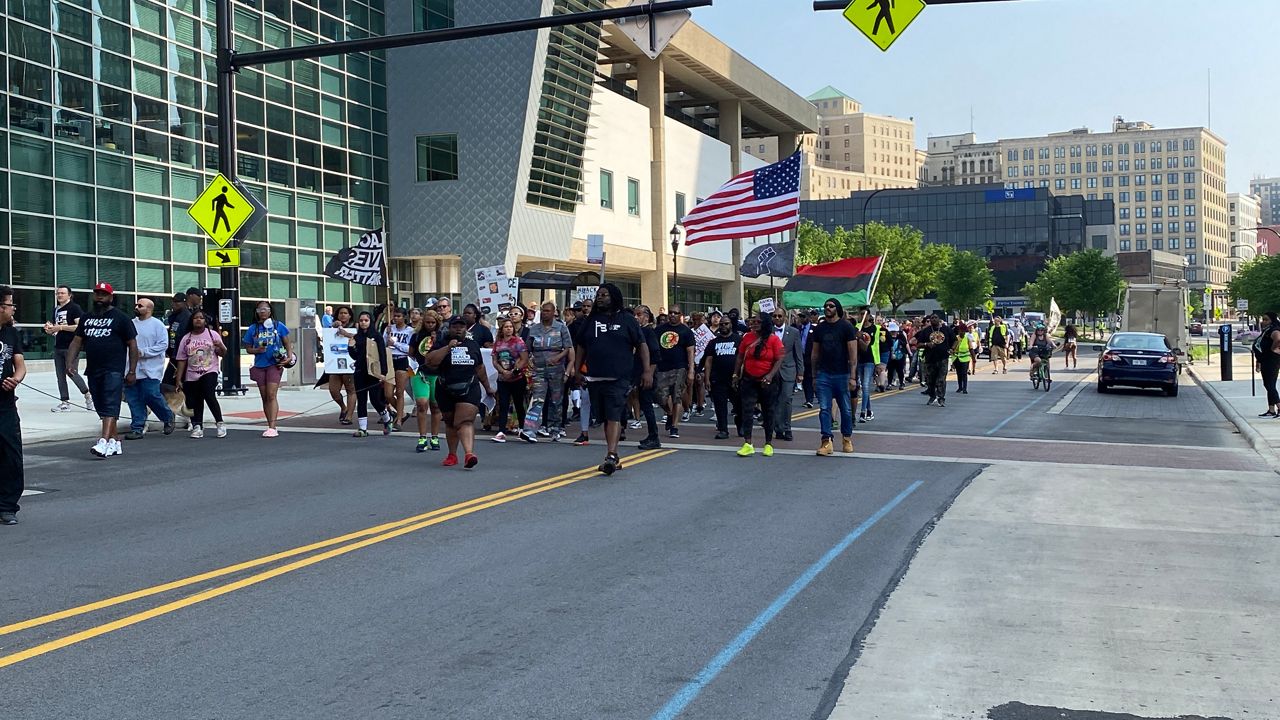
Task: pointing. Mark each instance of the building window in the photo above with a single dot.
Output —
(1059, 152)
(606, 189)
(1093, 182)
(1157, 228)
(1059, 184)
(1173, 194)
(1157, 244)
(1173, 243)
(1190, 226)
(1190, 194)
(633, 197)
(761, 150)
(1189, 178)
(1191, 257)
(1141, 245)
(1108, 181)
(1175, 226)
(1139, 147)
(1075, 183)
(1124, 246)
(437, 157)
(1189, 210)
(1157, 211)
(432, 14)
(1124, 213)
(1124, 181)
(1191, 275)
(1124, 228)
(680, 209)
(1108, 166)
(1107, 149)
(1140, 229)
(1124, 166)
(1140, 212)
(1091, 166)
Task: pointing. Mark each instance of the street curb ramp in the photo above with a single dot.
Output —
(1254, 438)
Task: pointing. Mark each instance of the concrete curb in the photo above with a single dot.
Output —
(1254, 438)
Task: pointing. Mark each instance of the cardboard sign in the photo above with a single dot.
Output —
(768, 305)
(701, 338)
(587, 292)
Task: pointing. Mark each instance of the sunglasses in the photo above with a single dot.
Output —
(829, 307)
(138, 305)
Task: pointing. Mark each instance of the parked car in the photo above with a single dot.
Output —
(1142, 360)
(1197, 329)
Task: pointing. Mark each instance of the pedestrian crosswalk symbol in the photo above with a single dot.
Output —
(221, 210)
(882, 21)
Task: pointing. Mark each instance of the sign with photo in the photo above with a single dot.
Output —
(494, 290)
(337, 352)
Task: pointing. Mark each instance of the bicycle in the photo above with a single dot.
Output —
(1041, 375)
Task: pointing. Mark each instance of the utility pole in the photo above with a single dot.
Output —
(229, 62)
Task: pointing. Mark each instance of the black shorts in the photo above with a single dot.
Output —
(401, 364)
(609, 398)
(448, 400)
(106, 389)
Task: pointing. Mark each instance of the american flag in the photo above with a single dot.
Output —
(753, 204)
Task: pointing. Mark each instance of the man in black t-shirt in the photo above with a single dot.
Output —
(62, 326)
(607, 343)
(720, 360)
(675, 367)
(834, 354)
(936, 339)
(111, 361)
(13, 370)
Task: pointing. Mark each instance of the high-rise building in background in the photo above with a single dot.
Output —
(1243, 219)
(1268, 191)
(109, 131)
(853, 150)
(1169, 185)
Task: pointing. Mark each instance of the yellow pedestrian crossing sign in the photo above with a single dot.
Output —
(882, 21)
(225, 257)
(221, 210)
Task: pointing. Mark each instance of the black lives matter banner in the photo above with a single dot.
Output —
(362, 264)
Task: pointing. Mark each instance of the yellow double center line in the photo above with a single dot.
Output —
(356, 541)
(814, 413)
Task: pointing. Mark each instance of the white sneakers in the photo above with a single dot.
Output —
(105, 448)
(197, 432)
(222, 430)
(88, 402)
(61, 407)
(499, 438)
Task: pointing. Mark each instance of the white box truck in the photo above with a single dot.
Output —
(1161, 309)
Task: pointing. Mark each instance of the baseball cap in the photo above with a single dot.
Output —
(431, 302)
(457, 320)
(179, 297)
(104, 287)
(893, 327)
(195, 291)
(577, 306)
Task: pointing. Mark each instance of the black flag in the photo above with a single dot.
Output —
(362, 264)
(778, 260)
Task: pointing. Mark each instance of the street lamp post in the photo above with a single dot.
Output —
(866, 203)
(675, 271)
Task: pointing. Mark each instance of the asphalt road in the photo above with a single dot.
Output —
(320, 576)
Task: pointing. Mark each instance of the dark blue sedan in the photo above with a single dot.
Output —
(1142, 360)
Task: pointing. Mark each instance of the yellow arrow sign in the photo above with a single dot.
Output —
(883, 21)
(221, 210)
(226, 257)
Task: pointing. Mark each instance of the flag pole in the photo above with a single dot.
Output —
(875, 280)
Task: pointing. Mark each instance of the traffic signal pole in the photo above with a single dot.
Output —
(232, 383)
(230, 62)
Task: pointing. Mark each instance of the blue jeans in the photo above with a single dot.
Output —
(143, 394)
(867, 379)
(835, 387)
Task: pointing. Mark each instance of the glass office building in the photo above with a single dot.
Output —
(1016, 230)
(108, 131)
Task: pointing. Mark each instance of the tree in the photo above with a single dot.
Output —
(1258, 281)
(1087, 282)
(910, 268)
(965, 282)
(815, 246)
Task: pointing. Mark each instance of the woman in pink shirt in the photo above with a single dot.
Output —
(197, 357)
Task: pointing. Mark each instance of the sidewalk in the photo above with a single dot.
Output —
(39, 393)
(1240, 400)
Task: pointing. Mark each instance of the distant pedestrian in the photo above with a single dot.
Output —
(551, 361)
(267, 340)
(963, 353)
(197, 369)
(13, 370)
(144, 393)
(110, 347)
(935, 340)
(675, 367)
(998, 343)
(721, 362)
(895, 353)
(369, 354)
(426, 380)
(510, 358)
(66, 318)
(178, 322)
(1266, 353)
(646, 397)
(1070, 336)
(326, 320)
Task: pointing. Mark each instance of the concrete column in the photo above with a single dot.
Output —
(731, 135)
(651, 83)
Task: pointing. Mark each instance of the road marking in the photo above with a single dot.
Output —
(694, 687)
(284, 555)
(32, 492)
(1014, 416)
(949, 459)
(219, 591)
(814, 413)
(1071, 396)
(1039, 441)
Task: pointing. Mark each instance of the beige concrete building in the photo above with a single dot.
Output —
(1169, 185)
(853, 150)
(1244, 215)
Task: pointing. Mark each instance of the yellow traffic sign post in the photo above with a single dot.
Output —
(222, 210)
(883, 21)
(223, 258)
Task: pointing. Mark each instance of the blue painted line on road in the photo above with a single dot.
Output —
(1014, 416)
(694, 687)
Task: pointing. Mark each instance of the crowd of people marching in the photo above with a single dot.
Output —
(598, 367)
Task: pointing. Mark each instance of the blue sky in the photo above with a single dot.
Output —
(1036, 66)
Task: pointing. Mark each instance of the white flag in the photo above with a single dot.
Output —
(1055, 315)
